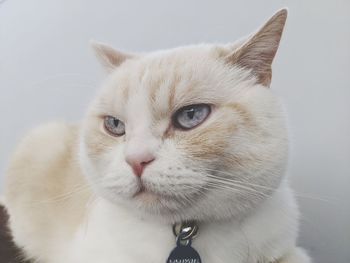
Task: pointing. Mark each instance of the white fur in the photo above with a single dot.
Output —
(227, 173)
(267, 235)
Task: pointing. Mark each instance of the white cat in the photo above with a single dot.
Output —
(193, 133)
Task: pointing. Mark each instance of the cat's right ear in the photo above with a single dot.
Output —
(259, 50)
(109, 57)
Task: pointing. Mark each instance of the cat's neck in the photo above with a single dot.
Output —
(117, 227)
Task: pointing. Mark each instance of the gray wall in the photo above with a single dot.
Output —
(47, 73)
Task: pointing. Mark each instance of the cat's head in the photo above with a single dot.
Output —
(188, 133)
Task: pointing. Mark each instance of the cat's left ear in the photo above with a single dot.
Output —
(109, 57)
(258, 52)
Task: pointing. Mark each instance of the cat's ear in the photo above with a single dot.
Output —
(258, 51)
(109, 57)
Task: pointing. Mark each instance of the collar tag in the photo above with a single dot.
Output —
(184, 252)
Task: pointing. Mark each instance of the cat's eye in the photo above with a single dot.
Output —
(191, 116)
(114, 126)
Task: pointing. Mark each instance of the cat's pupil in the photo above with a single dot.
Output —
(116, 122)
(190, 113)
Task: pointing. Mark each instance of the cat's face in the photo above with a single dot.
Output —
(189, 133)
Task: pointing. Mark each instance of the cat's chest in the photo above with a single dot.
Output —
(111, 237)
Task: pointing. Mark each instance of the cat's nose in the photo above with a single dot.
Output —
(139, 161)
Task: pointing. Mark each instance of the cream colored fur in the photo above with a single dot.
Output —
(73, 198)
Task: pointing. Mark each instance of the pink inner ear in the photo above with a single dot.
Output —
(258, 52)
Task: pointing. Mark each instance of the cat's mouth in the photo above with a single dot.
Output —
(144, 191)
(160, 199)
(146, 195)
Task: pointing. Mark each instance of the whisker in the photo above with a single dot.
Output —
(297, 194)
(66, 196)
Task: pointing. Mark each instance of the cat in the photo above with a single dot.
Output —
(187, 134)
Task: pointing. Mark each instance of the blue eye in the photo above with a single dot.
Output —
(191, 116)
(114, 126)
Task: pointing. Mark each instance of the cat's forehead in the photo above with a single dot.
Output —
(165, 81)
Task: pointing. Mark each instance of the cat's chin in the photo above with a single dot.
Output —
(165, 207)
(147, 196)
(146, 201)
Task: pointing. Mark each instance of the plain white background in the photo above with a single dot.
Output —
(47, 72)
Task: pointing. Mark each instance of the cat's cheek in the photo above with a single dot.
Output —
(111, 179)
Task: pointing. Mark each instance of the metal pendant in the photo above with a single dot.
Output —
(184, 252)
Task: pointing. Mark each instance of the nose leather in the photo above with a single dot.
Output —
(138, 161)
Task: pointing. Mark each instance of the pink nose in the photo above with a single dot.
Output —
(139, 161)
